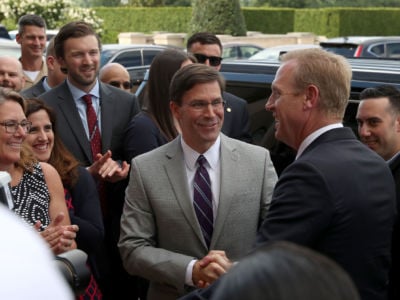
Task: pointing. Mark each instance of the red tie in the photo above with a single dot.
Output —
(94, 132)
(95, 145)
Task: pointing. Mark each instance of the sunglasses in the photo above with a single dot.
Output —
(126, 84)
(214, 60)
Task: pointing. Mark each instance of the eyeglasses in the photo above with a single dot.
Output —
(12, 126)
(126, 84)
(214, 60)
(203, 105)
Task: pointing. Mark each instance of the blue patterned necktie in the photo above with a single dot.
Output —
(202, 200)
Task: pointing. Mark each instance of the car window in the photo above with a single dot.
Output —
(148, 56)
(130, 58)
(230, 52)
(248, 51)
(377, 50)
(393, 50)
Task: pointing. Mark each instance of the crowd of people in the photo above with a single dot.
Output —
(169, 197)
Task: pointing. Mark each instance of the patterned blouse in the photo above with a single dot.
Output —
(32, 197)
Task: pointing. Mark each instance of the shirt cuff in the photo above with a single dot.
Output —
(189, 273)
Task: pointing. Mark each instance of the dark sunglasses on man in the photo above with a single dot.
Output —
(215, 61)
(126, 84)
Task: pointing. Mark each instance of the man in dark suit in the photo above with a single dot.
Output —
(378, 118)
(77, 49)
(338, 196)
(163, 235)
(207, 49)
(54, 75)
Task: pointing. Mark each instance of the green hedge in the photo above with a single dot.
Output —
(146, 20)
(329, 22)
(271, 20)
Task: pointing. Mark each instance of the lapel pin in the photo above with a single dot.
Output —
(228, 109)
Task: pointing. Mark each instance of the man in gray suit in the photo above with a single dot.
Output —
(161, 237)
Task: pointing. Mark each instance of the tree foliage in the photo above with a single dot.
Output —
(218, 17)
(55, 12)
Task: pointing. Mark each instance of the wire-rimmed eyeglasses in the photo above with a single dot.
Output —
(12, 126)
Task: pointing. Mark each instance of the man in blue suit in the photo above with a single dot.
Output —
(338, 196)
(207, 49)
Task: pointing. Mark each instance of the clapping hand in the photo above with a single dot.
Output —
(108, 169)
(61, 238)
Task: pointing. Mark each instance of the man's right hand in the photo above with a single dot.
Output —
(210, 268)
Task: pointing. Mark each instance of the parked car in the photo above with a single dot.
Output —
(275, 52)
(238, 50)
(363, 46)
(251, 80)
(4, 32)
(9, 48)
(136, 58)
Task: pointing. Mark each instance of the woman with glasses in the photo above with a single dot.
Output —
(36, 187)
(155, 126)
(80, 189)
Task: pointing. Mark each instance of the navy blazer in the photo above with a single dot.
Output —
(236, 118)
(394, 275)
(338, 198)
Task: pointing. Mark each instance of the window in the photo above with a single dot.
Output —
(131, 58)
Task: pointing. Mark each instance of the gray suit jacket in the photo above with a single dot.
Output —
(35, 90)
(160, 234)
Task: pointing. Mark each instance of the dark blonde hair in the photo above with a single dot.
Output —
(27, 159)
(330, 72)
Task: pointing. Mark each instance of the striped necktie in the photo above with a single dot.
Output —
(202, 200)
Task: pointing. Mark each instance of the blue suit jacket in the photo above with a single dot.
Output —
(338, 198)
(394, 275)
(236, 118)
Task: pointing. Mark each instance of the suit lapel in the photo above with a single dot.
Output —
(175, 169)
(228, 180)
(68, 108)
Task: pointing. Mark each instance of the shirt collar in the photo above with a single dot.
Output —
(390, 160)
(313, 136)
(212, 154)
(78, 94)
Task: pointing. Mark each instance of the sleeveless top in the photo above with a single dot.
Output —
(32, 198)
